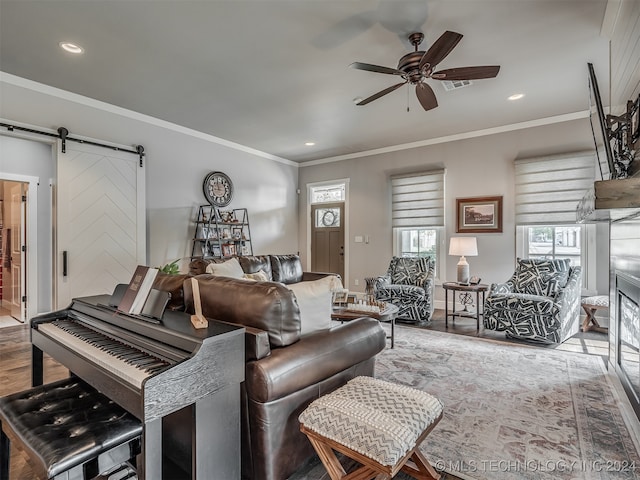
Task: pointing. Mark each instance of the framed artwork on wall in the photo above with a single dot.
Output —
(479, 215)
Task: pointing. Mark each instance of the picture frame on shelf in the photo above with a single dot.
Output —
(236, 233)
(479, 215)
(228, 249)
(207, 233)
(226, 234)
(210, 250)
(227, 216)
(244, 250)
(202, 232)
(340, 296)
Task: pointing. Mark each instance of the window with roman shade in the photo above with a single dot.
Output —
(417, 206)
(547, 192)
(548, 189)
(417, 200)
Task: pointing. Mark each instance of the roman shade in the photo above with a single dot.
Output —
(548, 189)
(417, 200)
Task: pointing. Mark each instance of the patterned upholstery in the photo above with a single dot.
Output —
(537, 277)
(378, 419)
(540, 302)
(408, 284)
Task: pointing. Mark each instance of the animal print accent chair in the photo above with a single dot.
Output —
(408, 284)
(540, 302)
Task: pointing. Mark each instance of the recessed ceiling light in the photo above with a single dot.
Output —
(516, 96)
(71, 47)
(310, 144)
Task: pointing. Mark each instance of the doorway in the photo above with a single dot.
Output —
(27, 162)
(12, 244)
(327, 238)
(328, 227)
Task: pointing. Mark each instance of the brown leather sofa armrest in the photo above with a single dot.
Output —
(256, 342)
(313, 358)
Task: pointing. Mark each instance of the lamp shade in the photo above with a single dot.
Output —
(463, 246)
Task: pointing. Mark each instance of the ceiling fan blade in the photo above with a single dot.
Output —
(381, 93)
(426, 97)
(467, 73)
(375, 68)
(440, 49)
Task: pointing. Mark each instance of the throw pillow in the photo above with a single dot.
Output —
(230, 268)
(259, 276)
(314, 301)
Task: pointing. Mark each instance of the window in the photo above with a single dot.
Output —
(554, 242)
(328, 193)
(417, 207)
(548, 190)
(575, 242)
(417, 242)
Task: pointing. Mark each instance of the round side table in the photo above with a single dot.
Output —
(465, 291)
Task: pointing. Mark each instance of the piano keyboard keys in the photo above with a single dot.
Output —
(126, 361)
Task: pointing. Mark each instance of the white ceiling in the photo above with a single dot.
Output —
(272, 75)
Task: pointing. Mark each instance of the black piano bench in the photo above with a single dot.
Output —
(68, 430)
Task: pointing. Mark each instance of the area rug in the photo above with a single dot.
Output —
(514, 411)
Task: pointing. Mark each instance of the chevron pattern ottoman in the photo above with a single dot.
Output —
(377, 423)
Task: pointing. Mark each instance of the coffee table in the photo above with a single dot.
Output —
(389, 314)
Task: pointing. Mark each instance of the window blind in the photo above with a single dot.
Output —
(417, 200)
(548, 189)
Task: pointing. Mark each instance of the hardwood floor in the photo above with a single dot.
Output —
(15, 376)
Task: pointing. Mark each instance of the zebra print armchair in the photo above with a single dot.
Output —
(540, 302)
(408, 284)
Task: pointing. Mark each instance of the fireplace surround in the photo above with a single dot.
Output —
(624, 301)
(627, 341)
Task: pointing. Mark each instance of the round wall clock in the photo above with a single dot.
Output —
(218, 189)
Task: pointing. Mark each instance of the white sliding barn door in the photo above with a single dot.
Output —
(100, 220)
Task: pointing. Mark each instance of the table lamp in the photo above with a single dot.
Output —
(463, 246)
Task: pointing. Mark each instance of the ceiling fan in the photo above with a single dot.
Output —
(416, 67)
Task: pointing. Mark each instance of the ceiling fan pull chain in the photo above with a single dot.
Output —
(407, 100)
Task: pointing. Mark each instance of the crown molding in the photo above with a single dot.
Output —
(107, 107)
(453, 138)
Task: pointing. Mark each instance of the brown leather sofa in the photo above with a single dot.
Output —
(284, 370)
(285, 269)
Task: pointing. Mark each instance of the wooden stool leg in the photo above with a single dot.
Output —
(590, 322)
(329, 459)
(424, 465)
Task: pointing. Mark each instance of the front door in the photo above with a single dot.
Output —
(327, 238)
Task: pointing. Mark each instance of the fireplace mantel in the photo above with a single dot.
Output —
(610, 200)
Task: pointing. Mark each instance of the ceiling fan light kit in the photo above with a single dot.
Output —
(418, 66)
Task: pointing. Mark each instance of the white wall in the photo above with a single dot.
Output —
(177, 161)
(475, 167)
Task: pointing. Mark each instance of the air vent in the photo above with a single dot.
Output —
(455, 84)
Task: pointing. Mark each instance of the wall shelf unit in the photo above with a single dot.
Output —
(221, 233)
